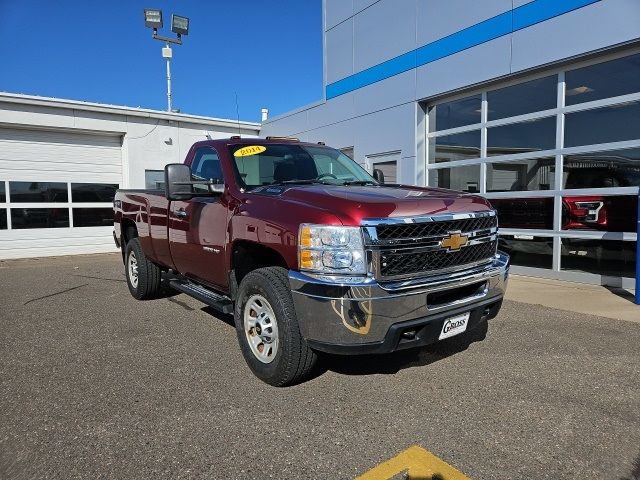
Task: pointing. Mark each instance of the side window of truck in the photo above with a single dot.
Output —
(206, 166)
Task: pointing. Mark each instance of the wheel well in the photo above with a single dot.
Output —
(128, 231)
(248, 256)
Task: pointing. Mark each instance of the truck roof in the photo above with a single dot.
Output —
(235, 140)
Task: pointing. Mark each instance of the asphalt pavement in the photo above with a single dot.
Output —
(96, 384)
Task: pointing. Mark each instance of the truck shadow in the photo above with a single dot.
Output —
(635, 474)
(392, 363)
(387, 364)
(622, 293)
(228, 319)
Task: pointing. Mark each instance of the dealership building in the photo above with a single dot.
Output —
(534, 104)
(61, 162)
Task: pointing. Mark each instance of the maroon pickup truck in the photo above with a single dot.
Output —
(311, 253)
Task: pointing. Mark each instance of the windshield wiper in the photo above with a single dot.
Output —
(359, 182)
(301, 182)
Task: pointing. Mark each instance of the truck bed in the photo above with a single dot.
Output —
(147, 211)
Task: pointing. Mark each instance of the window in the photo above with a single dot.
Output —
(22, 218)
(603, 80)
(457, 113)
(546, 184)
(528, 136)
(93, 192)
(348, 151)
(602, 257)
(3, 195)
(528, 250)
(615, 123)
(328, 166)
(524, 213)
(611, 168)
(92, 217)
(527, 97)
(291, 163)
(459, 146)
(389, 170)
(38, 192)
(3, 218)
(466, 179)
(522, 175)
(206, 165)
(154, 179)
(610, 213)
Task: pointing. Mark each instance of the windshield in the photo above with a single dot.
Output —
(278, 164)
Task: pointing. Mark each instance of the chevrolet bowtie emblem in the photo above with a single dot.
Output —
(454, 241)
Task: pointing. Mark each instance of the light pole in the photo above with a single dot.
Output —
(179, 26)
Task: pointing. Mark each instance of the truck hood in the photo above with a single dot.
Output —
(352, 204)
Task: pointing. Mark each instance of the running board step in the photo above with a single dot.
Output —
(215, 300)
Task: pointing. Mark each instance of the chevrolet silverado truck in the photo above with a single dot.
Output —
(310, 253)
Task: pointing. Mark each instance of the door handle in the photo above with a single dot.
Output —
(180, 213)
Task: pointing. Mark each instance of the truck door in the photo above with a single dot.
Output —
(198, 227)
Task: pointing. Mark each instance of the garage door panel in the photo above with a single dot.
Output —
(50, 234)
(36, 171)
(51, 237)
(58, 250)
(38, 155)
(66, 138)
(59, 153)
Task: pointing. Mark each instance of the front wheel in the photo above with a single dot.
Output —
(268, 331)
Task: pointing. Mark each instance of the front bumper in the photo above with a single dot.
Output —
(351, 316)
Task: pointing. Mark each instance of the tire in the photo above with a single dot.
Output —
(264, 297)
(143, 276)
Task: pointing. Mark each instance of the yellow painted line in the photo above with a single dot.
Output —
(416, 463)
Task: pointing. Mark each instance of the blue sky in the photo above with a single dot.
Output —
(268, 51)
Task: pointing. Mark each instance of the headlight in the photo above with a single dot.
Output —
(328, 249)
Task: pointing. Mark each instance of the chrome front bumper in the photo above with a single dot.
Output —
(361, 315)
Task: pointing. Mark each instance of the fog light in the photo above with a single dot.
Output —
(409, 334)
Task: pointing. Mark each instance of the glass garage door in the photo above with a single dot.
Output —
(56, 192)
(558, 155)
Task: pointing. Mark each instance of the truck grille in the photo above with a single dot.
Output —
(413, 231)
(412, 247)
(395, 264)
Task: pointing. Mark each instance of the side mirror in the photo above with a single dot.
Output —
(177, 182)
(378, 175)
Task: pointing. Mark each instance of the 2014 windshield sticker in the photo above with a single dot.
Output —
(249, 150)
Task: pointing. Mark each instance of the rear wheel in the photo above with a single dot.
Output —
(268, 331)
(143, 276)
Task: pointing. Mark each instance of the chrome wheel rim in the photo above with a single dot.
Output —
(261, 329)
(132, 266)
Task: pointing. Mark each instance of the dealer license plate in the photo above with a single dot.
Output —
(454, 325)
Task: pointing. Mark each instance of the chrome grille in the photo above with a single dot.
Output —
(415, 231)
(411, 247)
(396, 264)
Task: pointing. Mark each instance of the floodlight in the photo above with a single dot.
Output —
(179, 25)
(152, 18)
